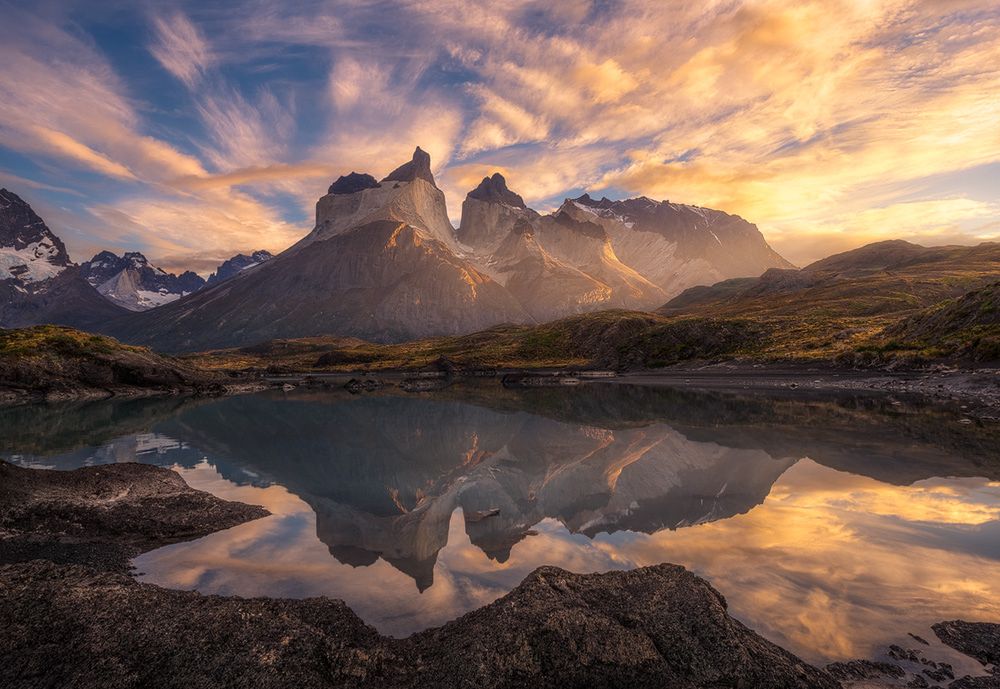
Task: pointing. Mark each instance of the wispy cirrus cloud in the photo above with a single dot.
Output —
(181, 48)
(816, 120)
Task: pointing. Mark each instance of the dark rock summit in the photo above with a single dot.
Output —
(418, 168)
(237, 264)
(20, 227)
(494, 190)
(352, 183)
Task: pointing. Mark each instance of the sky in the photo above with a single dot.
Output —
(191, 131)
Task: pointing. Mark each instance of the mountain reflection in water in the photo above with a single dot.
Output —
(828, 524)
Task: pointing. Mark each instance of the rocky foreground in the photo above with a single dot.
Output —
(72, 616)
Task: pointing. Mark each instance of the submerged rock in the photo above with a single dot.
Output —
(106, 514)
(979, 640)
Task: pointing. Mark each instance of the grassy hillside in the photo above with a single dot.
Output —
(886, 300)
(55, 361)
(965, 327)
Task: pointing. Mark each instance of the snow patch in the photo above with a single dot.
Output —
(151, 299)
(30, 264)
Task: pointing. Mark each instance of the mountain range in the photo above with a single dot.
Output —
(384, 263)
(40, 284)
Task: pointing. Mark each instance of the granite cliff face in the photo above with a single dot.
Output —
(382, 264)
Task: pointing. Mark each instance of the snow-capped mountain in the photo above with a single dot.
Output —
(29, 251)
(38, 282)
(238, 263)
(133, 283)
(384, 263)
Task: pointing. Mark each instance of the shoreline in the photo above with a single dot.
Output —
(73, 614)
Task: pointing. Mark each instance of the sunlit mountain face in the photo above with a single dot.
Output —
(192, 132)
(835, 526)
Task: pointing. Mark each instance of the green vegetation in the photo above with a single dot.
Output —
(55, 362)
(45, 340)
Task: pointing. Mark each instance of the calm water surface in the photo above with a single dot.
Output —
(833, 527)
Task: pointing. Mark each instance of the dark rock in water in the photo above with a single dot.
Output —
(104, 515)
(494, 190)
(939, 672)
(352, 183)
(418, 168)
(918, 639)
(425, 384)
(525, 380)
(900, 653)
(74, 626)
(864, 669)
(979, 640)
(355, 386)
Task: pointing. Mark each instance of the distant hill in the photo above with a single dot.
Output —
(884, 278)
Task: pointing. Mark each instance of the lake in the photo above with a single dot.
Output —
(834, 526)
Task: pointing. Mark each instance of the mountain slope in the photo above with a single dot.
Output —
(554, 265)
(968, 326)
(676, 246)
(383, 281)
(66, 299)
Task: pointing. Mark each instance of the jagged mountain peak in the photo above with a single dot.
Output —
(419, 167)
(238, 264)
(29, 250)
(493, 189)
(584, 227)
(132, 282)
(353, 183)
